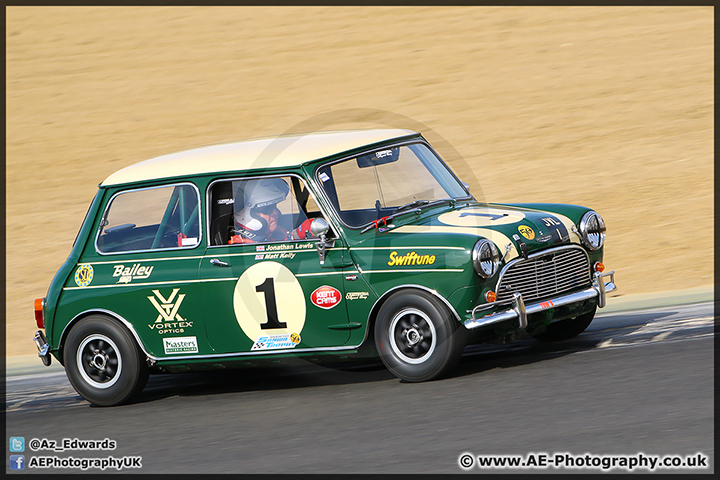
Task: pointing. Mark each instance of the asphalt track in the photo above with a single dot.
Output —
(638, 382)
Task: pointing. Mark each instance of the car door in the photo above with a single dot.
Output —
(269, 292)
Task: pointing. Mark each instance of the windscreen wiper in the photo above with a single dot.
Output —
(416, 203)
(412, 207)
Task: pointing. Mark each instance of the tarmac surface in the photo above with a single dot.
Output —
(636, 383)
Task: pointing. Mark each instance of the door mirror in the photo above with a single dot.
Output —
(319, 228)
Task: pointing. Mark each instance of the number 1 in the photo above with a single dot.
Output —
(268, 288)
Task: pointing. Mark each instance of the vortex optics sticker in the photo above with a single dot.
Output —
(526, 232)
(84, 275)
(325, 297)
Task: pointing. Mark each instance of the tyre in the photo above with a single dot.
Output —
(566, 329)
(416, 337)
(103, 362)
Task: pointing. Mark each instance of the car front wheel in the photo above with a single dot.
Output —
(417, 338)
(103, 362)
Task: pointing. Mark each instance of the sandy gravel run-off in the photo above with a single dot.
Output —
(609, 107)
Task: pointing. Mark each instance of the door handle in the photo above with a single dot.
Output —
(219, 263)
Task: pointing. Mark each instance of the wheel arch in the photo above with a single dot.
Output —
(98, 311)
(372, 317)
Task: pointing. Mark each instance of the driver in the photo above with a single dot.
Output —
(257, 218)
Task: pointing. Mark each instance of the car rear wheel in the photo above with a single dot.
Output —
(417, 338)
(567, 329)
(103, 361)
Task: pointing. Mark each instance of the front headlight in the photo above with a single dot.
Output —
(592, 230)
(486, 258)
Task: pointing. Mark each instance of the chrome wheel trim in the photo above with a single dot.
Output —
(98, 361)
(409, 332)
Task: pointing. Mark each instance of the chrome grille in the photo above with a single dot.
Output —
(545, 275)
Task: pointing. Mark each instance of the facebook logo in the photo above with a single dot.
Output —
(17, 444)
(17, 462)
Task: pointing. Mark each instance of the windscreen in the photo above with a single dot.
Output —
(368, 187)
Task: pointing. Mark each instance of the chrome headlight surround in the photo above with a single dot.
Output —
(592, 230)
(486, 258)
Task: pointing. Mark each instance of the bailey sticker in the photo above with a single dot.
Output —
(84, 275)
(326, 297)
(135, 272)
(271, 342)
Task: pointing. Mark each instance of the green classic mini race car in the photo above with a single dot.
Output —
(352, 243)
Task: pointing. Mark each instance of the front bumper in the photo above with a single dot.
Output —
(520, 311)
(43, 348)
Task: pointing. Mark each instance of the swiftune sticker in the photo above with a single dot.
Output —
(84, 275)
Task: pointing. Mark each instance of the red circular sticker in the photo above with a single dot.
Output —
(325, 297)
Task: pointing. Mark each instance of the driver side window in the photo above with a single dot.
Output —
(260, 210)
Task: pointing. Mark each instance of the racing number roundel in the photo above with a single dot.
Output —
(268, 300)
(481, 217)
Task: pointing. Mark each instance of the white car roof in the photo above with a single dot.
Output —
(268, 152)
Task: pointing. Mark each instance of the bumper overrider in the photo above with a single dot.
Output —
(520, 311)
(43, 348)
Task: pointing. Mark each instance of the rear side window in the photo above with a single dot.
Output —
(156, 218)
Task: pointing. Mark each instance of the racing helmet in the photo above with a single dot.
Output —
(251, 198)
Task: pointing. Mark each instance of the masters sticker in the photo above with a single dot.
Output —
(526, 232)
(84, 275)
(180, 345)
